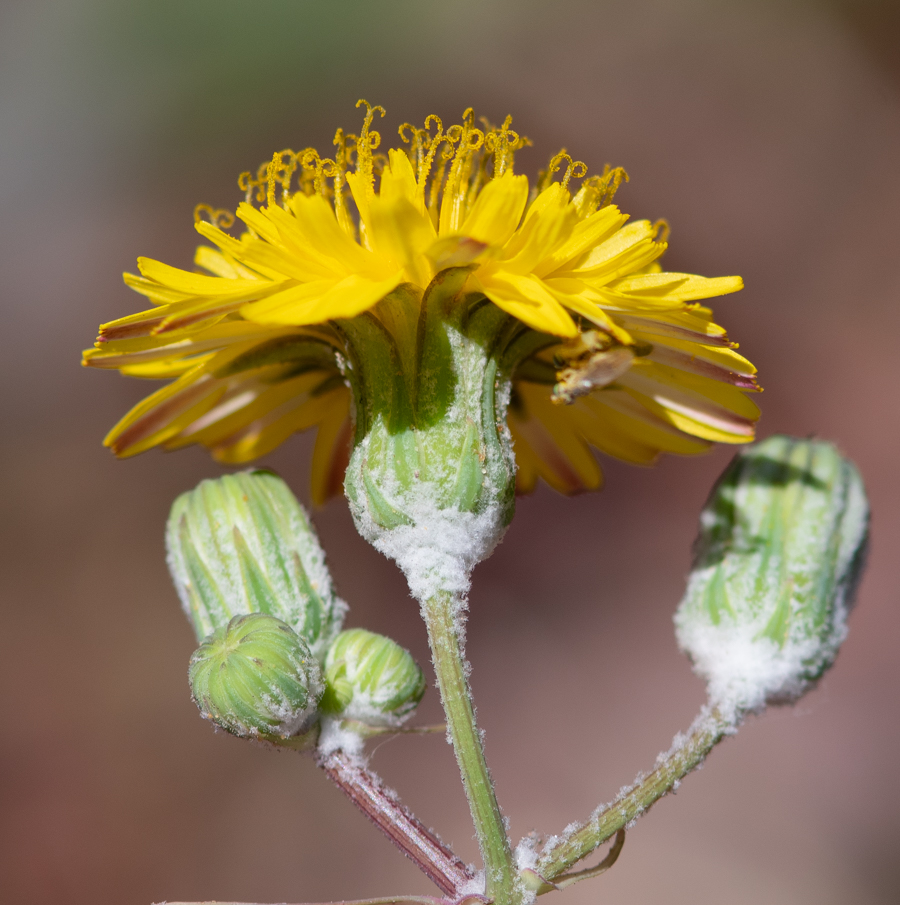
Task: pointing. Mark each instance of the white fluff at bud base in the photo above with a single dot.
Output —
(781, 546)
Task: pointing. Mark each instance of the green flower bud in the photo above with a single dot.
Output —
(256, 677)
(243, 544)
(781, 545)
(371, 678)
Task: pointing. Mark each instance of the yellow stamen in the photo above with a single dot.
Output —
(478, 180)
(367, 142)
(502, 143)
(555, 163)
(468, 140)
(435, 188)
(307, 178)
(313, 178)
(379, 162)
(219, 217)
(416, 142)
(608, 184)
(246, 183)
(273, 171)
(426, 159)
(341, 161)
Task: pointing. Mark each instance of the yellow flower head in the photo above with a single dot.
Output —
(618, 355)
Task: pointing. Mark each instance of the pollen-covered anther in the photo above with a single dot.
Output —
(588, 362)
(279, 171)
(662, 230)
(576, 168)
(502, 143)
(219, 217)
(601, 190)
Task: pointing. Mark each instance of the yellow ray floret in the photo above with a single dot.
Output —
(252, 345)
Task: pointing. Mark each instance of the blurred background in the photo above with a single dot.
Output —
(766, 132)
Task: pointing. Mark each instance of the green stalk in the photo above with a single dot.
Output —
(449, 665)
(708, 730)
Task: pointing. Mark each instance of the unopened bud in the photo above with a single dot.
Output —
(370, 678)
(243, 544)
(256, 677)
(781, 545)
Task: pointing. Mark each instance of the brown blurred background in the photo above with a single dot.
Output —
(766, 131)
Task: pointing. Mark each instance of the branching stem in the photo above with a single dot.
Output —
(382, 807)
(686, 755)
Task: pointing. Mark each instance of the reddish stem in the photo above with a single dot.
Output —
(383, 808)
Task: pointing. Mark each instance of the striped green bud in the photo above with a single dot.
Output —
(243, 544)
(256, 677)
(371, 678)
(781, 545)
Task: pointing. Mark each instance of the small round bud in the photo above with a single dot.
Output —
(781, 545)
(371, 678)
(256, 677)
(243, 544)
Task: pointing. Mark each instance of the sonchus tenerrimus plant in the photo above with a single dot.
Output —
(454, 333)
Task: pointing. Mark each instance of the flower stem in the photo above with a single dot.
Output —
(383, 808)
(686, 755)
(450, 667)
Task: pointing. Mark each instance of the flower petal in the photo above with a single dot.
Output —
(399, 181)
(270, 430)
(164, 413)
(676, 287)
(221, 264)
(723, 365)
(719, 412)
(553, 447)
(192, 284)
(625, 420)
(526, 298)
(497, 210)
(331, 452)
(587, 234)
(548, 224)
(314, 303)
(689, 325)
(402, 234)
(627, 250)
